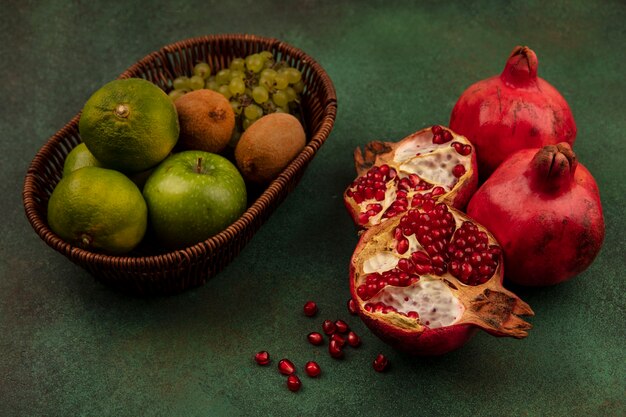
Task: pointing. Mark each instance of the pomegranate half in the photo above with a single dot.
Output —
(426, 280)
(544, 208)
(434, 163)
(512, 111)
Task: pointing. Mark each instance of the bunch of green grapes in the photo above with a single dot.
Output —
(255, 86)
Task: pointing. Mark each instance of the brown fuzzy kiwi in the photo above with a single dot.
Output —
(206, 121)
(268, 145)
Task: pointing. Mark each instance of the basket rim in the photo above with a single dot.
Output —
(200, 249)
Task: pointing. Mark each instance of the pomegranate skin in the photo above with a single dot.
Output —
(512, 111)
(549, 230)
(431, 342)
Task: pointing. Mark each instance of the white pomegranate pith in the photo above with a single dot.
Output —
(430, 298)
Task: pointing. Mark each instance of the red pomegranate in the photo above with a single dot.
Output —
(434, 163)
(512, 111)
(426, 280)
(544, 208)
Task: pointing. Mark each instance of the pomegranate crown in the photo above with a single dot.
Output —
(521, 67)
(553, 167)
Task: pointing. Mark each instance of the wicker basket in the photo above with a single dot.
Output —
(149, 272)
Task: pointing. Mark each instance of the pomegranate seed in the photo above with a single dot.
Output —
(341, 326)
(352, 307)
(341, 341)
(328, 327)
(315, 338)
(293, 383)
(312, 369)
(436, 129)
(446, 136)
(402, 246)
(310, 308)
(262, 358)
(380, 363)
(413, 315)
(354, 340)
(458, 170)
(437, 191)
(286, 367)
(335, 350)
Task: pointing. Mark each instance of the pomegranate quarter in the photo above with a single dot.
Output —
(434, 163)
(426, 280)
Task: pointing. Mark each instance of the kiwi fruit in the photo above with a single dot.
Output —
(206, 121)
(268, 145)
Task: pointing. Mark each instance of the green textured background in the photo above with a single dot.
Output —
(69, 346)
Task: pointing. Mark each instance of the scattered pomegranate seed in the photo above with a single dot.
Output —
(262, 358)
(315, 338)
(352, 307)
(286, 367)
(310, 308)
(341, 326)
(354, 340)
(293, 383)
(335, 349)
(380, 363)
(339, 339)
(329, 327)
(312, 369)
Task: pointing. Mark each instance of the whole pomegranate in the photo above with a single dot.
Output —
(512, 111)
(544, 208)
(424, 281)
(434, 163)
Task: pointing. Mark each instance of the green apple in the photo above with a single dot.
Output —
(193, 195)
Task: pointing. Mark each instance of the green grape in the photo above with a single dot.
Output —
(237, 86)
(174, 94)
(224, 90)
(282, 109)
(260, 94)
(237, 64)
(266, 55)
(268, 73)
(211, 84)
(237, 74)
(293, 75)
(280, 98)
(280, 81)
(291, 94)
(236, 105)
(202, 69)
(180, 83)
(246, 123)
(254, 63)
(299, 86)
(196, 82)
(222, 77)
(266, 82)
(253, 112)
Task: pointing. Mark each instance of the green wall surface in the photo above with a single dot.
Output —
(70, 346)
